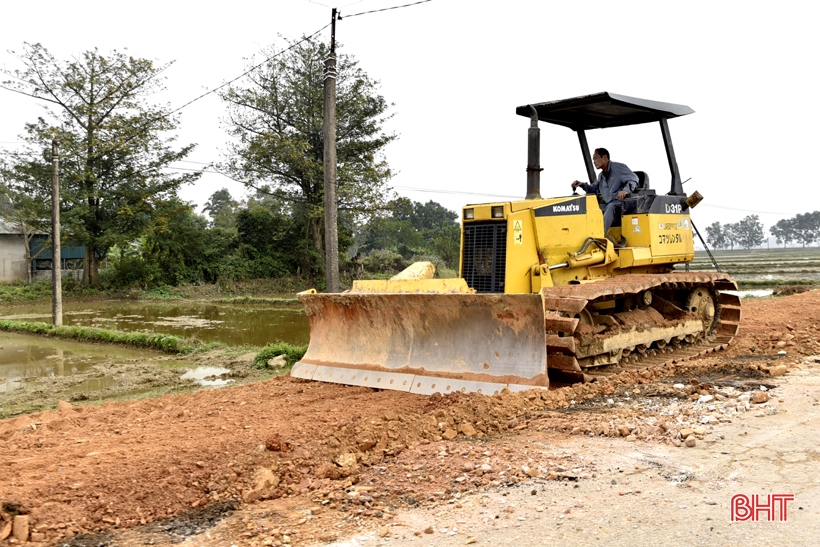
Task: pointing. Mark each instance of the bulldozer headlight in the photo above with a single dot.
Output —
(469, 214)
(498, 211)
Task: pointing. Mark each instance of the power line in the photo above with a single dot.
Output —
(385, 9)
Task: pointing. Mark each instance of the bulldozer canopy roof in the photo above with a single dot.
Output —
(603, 110)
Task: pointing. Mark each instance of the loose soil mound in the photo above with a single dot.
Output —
(91, 469)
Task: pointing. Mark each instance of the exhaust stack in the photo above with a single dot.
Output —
(533, 156)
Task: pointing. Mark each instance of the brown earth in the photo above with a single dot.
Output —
(301, 463)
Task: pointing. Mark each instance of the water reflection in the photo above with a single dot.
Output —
(233, 325)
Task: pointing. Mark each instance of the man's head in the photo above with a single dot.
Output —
(601, 159)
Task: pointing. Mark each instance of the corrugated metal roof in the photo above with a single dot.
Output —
(602, 110)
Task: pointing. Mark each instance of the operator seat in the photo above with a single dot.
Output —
(639, 201)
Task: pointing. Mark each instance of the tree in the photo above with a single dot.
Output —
(276, 121)
(112, 145)
(807, 228)
(222, 209)
(716, 236)
(783, 231)
(748, 232)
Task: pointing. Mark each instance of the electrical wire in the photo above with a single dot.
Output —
(385, 9)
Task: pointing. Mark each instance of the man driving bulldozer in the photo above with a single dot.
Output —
(614, 184)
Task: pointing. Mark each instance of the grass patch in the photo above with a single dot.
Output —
(773, 283)
(291, 352)
(161, 342)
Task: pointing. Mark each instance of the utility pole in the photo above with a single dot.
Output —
(331, 226)
(56, 262)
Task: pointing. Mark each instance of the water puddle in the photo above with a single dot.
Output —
(758, 293)
(208, 376)
(231, 324)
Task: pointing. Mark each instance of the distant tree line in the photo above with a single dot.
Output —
(747, 233)
(120, 173)
(802, 228)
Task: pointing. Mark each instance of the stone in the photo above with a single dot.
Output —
(37, 537)
(467, 429)
(429, 530)
(449, 435)
(345, 460)
(685, 433)
(690, 441)
(760, 397)
(532, 472)
(779, 370)
(19, 528)
(780, 344)
(699, 431)
(623, 431)
(631, 438)
(384, 531)
(705, 399)
(64, 407)
(280, 361)
(471, 540)
(486, 467)
(5, 531)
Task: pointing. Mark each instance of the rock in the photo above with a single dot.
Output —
(532, 472)
(347, 459)
(449, 435)
(685, 433)
(623, 431)
(384, 531)
(19, 528)
(759, 397)
(690, 442)
(513, 423)
(780, 344)
(699, 431)
(779, 370)
(471, 540)
(280, 361)
(429, 530)
(705, 399)
(486, 467)
(631, 438)
(275, 443)
(708, 419)
(467, 429)
(64, 407)
(5, 531)
(678, 386)
(37, 537)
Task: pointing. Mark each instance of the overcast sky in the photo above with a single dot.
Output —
(456, 70)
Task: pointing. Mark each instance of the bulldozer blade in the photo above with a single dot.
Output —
(426, 343)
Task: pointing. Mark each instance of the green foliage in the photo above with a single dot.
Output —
(276, 122)
(161, 342)
(17, 291)
(113, 152)
(222, 209)
(414, 228)
(747, 233)
(291, 352)
(384, 261)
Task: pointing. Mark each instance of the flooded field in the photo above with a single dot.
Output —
(765, 268)
(37, 372)
(231, 324)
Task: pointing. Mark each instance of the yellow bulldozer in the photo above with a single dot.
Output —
(543, 294)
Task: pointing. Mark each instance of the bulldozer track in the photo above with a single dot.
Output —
(565, 307)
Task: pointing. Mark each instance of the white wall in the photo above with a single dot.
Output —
(12, 258)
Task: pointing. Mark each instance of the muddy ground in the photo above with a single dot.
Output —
(650, 456)
(120, 375)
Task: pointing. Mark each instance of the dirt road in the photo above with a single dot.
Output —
(290, 462)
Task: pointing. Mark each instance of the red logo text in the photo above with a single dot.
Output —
(774, 507)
